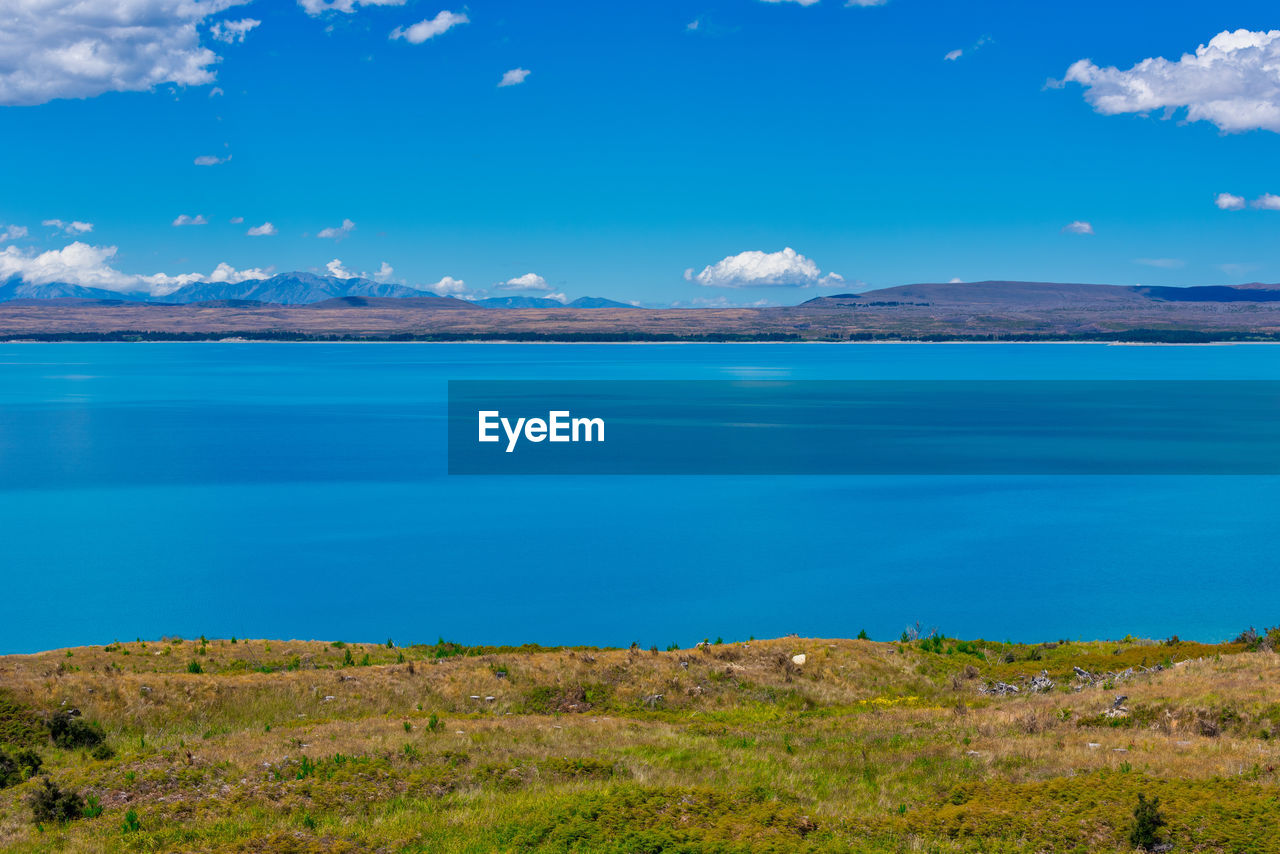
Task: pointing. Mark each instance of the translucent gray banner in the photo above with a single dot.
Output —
(864, 427)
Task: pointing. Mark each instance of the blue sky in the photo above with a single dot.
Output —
(638, 147)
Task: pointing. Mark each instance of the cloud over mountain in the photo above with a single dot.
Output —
(756, 269)
(90, 266)
(527, 282)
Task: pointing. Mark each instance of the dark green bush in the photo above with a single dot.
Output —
(69, 731)
(1147, 821)
(21, 766)
(933, 643)
(53, 804)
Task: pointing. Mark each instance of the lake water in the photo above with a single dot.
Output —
(300, 491)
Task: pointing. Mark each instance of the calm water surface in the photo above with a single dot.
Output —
(299, 490)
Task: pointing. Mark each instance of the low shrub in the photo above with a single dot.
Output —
(1147, 821)
(692, 821)
(70, 731)
(548, 699)
(55, 805)
(19, 725)
(22, 765)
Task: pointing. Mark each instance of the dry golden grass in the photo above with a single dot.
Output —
(868, 745)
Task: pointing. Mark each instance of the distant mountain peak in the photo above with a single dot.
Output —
(295, 288)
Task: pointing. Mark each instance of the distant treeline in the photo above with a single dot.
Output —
(1136, 336)
(271, 335)
(882, 304)
(1124, 336)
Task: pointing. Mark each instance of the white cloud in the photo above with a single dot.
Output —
(801, 2)
(337, 232)
(956, 280)
(952, 56)
(1162, 263)
(89, 266)
(866, 2)
(1232, 82)
(232, 32)
(1078, 227)
(693, 25)
(211, 160)
(224, 272)
(13, 232)
(447, 287)
(1265, 202)
(237, 220)
(336, 270)
(558, 297)
(82, 48)
(755, 269)
(1228, 202)
(73, 227)
(319, 7)
(264, 230)
(184, 219)
(431, 27)
(78, 263)
(514, 77)
(216, 91)
(527, 282)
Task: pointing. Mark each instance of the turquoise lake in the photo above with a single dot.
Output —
(300, 491)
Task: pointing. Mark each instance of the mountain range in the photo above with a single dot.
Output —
(305, 306)
(950, 299)
(285, 289)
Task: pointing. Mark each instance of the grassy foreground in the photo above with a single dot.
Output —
(255, 746)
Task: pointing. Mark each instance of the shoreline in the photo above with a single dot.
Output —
(544, 646)
(510, 341)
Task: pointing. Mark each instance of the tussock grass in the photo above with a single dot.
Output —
(298, 746)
